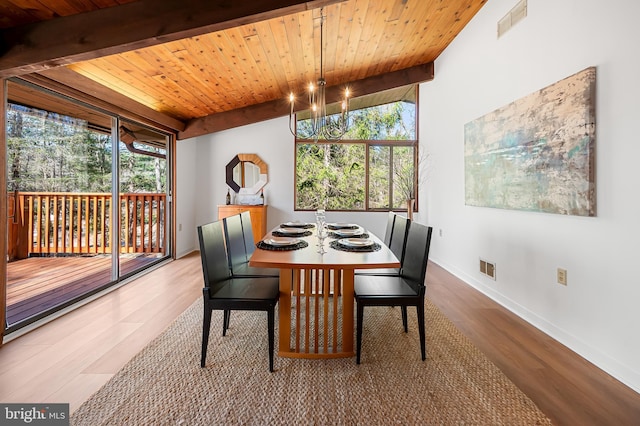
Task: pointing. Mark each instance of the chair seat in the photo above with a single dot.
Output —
(241, 270)
(248, 289)
(386, 287)
(394, 272)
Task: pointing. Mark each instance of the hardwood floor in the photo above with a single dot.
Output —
(566, 387)
(72, 357)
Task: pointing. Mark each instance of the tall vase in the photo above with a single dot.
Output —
(410, 203)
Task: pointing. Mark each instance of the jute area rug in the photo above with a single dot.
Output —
(164, 384)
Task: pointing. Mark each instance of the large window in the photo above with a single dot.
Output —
(372, 168)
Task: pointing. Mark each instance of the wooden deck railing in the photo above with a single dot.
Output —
(80, 223)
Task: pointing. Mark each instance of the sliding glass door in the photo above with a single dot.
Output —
(143, 181)
(82, 185)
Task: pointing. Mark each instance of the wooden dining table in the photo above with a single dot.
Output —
(316, 305)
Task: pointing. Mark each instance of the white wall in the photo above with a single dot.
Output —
(597, 314)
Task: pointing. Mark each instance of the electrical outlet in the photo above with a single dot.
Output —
(179, 227)
(440, 232)
(562, 276)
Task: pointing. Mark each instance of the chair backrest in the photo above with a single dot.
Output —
(416, 255)
(398, 242)
(387, 233)
(235, 240)
(213, 254)
(247, 231)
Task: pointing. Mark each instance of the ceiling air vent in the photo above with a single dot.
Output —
(514, 16)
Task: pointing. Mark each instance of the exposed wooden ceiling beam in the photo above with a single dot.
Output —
(61, 41)
(274, 109)
(70, 83)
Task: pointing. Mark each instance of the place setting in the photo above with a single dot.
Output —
(342, 226)
(281, 243)
(355, 244)
(297, 224)
(286, 231)
(358, 232)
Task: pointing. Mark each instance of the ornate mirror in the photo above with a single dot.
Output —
(246, 173)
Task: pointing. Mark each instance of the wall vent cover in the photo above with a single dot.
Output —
(514, 16)
(488, 268)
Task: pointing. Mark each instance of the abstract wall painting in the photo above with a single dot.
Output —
(537, 153)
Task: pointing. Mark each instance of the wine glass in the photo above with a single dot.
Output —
(320, 218)
(322, 234)
(320, 229)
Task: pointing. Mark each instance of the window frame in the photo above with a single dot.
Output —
(369, 143)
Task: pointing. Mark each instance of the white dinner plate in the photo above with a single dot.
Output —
(342, 225)
(295, 224)
(356, 242)
(292, 231)
(349, 232)
(282, 241)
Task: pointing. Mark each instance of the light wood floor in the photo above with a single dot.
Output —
(72, 357)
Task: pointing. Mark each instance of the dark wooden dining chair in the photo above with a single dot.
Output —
(235, 241)
(389, 229)
(247, 231)
(406, 289)
(223, 292)
(397, 243)
(401, 226)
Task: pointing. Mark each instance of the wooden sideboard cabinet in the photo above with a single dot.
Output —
(258, 217)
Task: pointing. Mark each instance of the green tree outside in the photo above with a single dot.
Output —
(49, 152)
(332, 175)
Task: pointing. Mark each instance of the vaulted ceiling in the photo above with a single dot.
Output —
(197, 67)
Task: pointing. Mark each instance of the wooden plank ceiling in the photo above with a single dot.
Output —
(219, 64)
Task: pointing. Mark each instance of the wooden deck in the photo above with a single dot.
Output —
(37, 284)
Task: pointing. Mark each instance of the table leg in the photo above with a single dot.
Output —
(347, 310)
(305, 324)
(284, 312)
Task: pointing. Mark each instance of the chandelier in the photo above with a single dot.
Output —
(320, 125)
